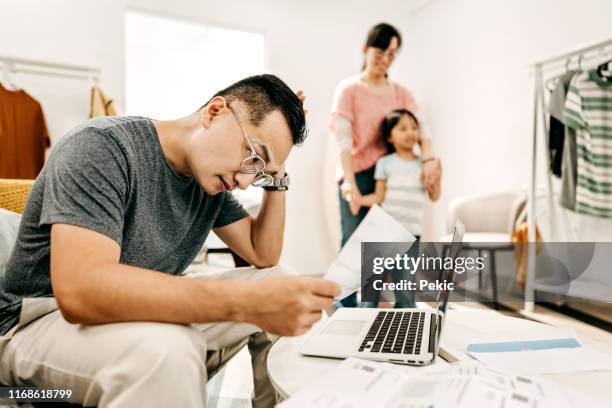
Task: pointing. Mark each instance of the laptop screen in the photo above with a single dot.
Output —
(448, 275)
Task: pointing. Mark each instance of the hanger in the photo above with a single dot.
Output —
(605, 70)
(94, 80)
(551, 84)
(7, 68)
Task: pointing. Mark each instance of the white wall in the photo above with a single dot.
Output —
(468, 62)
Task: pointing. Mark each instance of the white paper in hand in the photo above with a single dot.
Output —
(377, 226)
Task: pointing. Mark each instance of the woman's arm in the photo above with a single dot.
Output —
(344, 137)
(377, 197)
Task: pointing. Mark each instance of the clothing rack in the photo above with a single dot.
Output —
(21, 65)
(580, 58)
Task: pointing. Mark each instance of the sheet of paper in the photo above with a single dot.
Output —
(362, 384)
(546, 361)
(358, 383)
(377, 226)
(557, 351)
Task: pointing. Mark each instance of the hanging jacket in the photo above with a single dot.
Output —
(23, 135)
(100, 104)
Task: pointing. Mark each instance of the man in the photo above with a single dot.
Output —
(122, 206)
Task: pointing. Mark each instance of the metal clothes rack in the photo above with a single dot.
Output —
(21, 65)
(581, 58)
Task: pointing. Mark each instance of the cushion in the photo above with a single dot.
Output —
(9, 226)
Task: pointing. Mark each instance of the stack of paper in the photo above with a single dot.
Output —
(358, 383)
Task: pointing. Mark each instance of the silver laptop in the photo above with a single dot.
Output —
(404, 336)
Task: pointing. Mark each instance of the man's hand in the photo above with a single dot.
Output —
(289, 305)
(302, 98)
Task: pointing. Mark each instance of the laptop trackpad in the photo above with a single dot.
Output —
(344, 327)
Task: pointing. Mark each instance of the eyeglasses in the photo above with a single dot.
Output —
(253, 164)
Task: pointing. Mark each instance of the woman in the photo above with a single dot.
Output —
(361, 102)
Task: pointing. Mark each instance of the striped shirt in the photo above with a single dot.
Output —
(588, 110)
(405, 193)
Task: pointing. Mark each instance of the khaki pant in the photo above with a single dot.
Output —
(131, 364)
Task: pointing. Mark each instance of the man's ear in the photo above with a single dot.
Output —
(212, 110)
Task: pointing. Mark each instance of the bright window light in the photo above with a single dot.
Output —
(173, 67)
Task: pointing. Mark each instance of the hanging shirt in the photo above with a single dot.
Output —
(588, 110)
(562, 143)
(569, 164)
(405, 194)
(556, 128)
(23, 135)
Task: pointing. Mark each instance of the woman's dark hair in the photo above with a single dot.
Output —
(380, 36)
(390, 121)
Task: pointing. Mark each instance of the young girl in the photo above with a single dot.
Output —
(400, 187)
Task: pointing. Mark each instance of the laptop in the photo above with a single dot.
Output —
(404, 336)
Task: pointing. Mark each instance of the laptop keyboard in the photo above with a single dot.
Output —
(395, 332)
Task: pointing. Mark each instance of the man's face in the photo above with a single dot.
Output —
(216, 162)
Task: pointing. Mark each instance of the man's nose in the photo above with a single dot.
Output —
(244, 180)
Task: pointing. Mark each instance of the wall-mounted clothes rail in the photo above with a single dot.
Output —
(579, 58)
(45, 68)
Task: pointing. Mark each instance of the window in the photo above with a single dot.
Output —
(173, 67)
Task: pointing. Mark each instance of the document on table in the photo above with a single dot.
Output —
(356, 383)
(361, 383)
(377, 226)
(542, 356)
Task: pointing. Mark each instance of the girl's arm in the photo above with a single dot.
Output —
(433, 189)
(377, 197)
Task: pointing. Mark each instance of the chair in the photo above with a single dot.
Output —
(14, 194)
(488, 220)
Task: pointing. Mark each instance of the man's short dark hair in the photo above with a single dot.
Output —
(263, 94)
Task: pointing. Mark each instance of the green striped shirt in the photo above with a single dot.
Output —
(588, 110)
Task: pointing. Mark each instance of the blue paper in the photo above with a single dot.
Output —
(530, 345)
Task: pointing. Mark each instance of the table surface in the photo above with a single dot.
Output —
(289, 370)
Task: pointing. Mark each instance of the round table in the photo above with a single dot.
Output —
(289, 370)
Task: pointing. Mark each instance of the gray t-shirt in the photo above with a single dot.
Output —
(110, 175)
